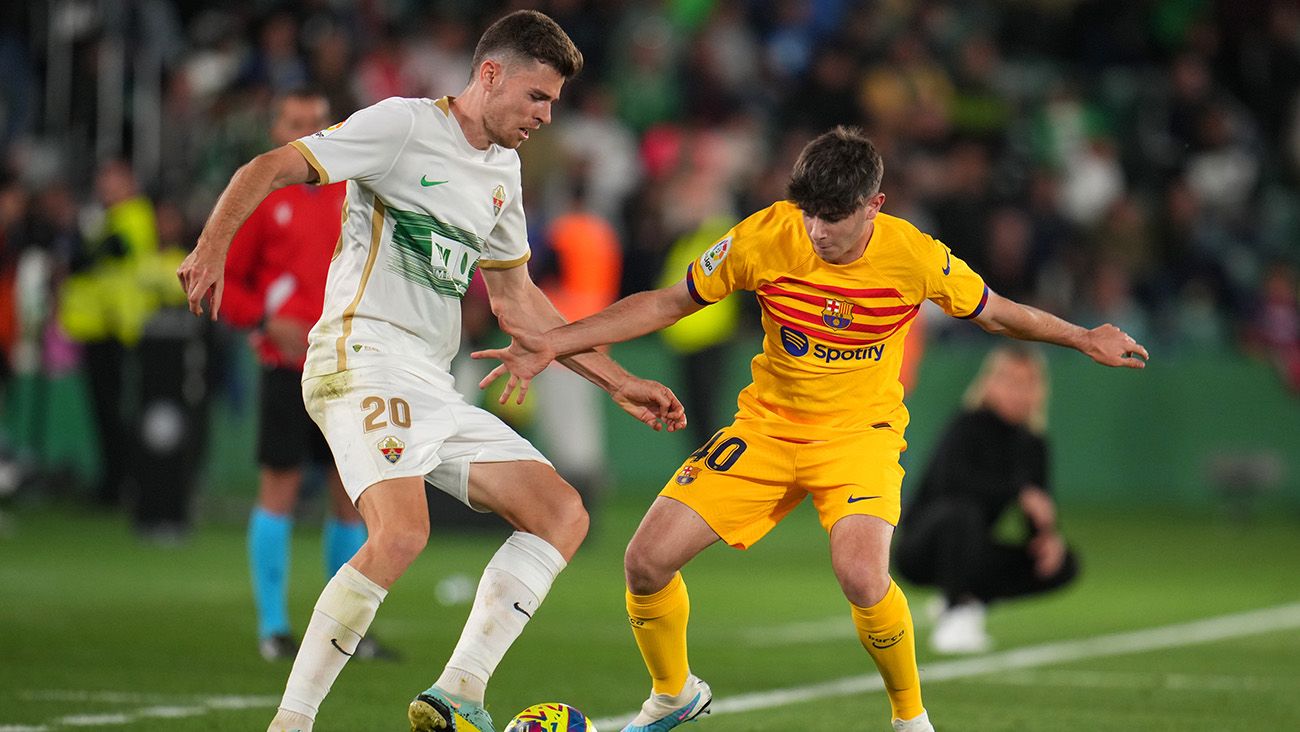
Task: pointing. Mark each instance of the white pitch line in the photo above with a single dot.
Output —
(1238, 625)
(242, 702)
(158, 707)
(798, 633)
(1131, 680)
(101, 697)
(173, 712)
(95, 720)
(228, 701)
(1283, 617)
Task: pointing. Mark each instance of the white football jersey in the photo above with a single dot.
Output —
(423, 210)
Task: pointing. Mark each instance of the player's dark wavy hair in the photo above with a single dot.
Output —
(835, 174)
(530, 34)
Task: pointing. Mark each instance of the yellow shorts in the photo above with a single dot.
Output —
(744, 482)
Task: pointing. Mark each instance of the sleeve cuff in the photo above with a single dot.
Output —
(690, 286)
(324, 177)
(984, 300)
(503, 263)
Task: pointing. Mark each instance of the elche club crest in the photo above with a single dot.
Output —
(838, 314)
(688, 475)
(498, 199)
(391, 448)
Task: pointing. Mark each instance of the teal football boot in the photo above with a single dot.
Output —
(662, 712)
(434, 710)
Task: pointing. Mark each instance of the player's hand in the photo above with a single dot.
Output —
(1110, 346)
(289, 336)
(203, 276)
(1038, 506)
(1048, 552)
(651, 403)
(527, 356)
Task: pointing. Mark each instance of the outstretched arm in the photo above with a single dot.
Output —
(635, 315)
(632, 317)
(203, 271)
(1105, 344)
(524, 311)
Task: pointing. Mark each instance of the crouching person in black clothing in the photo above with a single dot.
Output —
(992, 460)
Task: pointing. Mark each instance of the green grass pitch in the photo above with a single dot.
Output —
(123, 635)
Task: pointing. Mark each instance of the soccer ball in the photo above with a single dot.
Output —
(550, 717)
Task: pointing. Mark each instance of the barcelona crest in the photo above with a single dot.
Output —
(498, 199)
(688, 475)
(391, 448)
(838, 314)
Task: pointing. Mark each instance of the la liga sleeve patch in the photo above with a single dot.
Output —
(713, 257)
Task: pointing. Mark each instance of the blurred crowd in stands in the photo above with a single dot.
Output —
(1130, 162)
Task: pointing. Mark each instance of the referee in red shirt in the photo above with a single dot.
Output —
(275, 286)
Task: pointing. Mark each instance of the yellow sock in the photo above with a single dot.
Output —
(886, 632)
(659, 624)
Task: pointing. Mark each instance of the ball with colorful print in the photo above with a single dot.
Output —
(550, 717)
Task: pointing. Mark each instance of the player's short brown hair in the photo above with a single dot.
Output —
(835, 174)
(530, 34)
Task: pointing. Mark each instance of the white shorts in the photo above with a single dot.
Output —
(384, 423)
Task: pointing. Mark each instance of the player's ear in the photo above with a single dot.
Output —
(873, 205)
(490, 73)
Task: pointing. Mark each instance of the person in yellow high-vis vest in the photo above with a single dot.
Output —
(116, 285)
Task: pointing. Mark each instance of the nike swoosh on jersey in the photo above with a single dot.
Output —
(424, 181)
(947, 264)
(855, 499)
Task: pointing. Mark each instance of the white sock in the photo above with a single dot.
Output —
(513, 586)
(342, 616)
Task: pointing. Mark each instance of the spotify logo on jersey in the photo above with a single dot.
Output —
(795, 343)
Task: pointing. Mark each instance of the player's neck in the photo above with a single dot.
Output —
(468, 110)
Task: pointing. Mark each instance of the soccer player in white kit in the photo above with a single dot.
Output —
(434, 193)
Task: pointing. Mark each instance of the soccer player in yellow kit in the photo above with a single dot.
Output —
(839, 283)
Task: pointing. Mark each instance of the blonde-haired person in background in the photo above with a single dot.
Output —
(991, 460)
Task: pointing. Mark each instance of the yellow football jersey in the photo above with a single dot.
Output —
(833, 333)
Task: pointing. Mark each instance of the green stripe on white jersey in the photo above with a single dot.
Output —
(434, 206)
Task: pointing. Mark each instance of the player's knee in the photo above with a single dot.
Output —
(572, 522)
(645, 575)
(863, 586)
(402, 543)
(561, 520)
